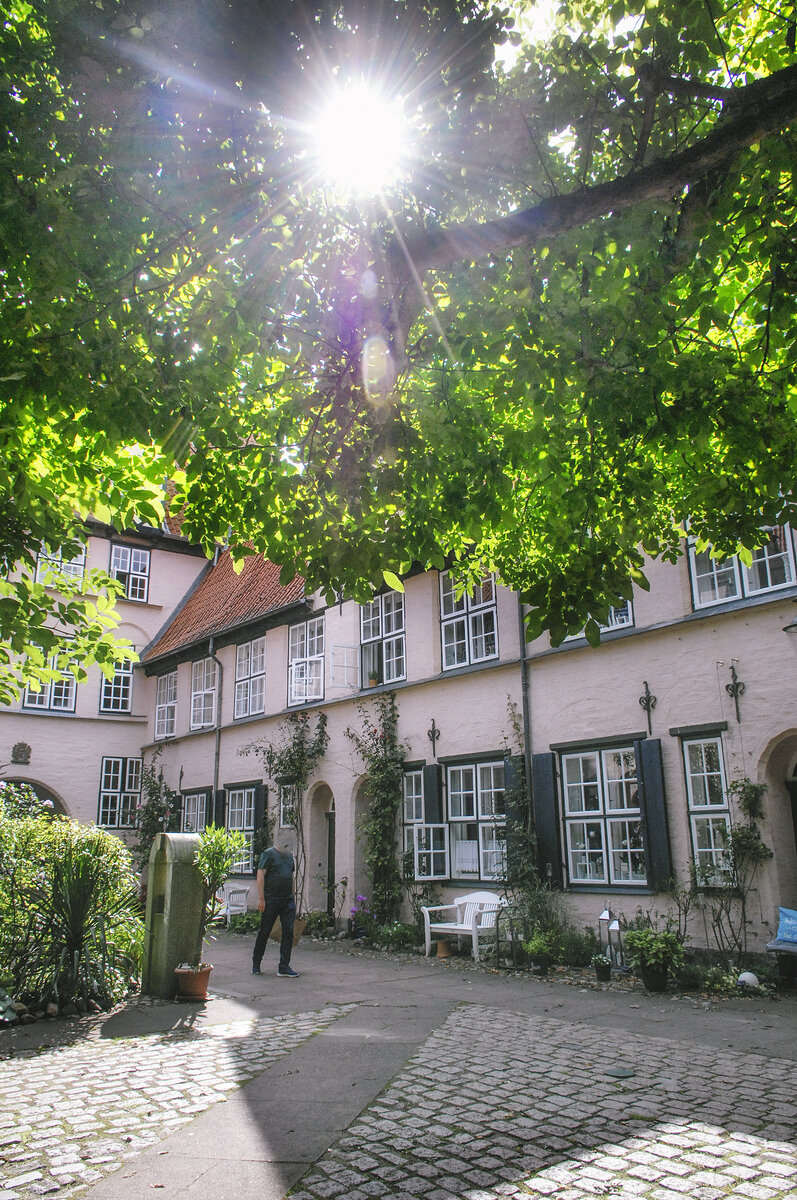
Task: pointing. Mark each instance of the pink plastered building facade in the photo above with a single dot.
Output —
(620, 756)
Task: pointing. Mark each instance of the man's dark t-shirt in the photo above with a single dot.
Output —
(278, 877)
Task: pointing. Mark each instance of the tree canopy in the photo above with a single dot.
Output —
(566, 331)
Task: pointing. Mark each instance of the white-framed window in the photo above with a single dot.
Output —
(383, 639)
(50, 563)
(130, 565)
(477, 820)
(602, 817)
(195, 811)
(290, 797)
(426, 841)
(203, 693)
(717, 580)
(306, 661)
(166, 705)
(120, 792)
(620, 617)
(241, 816)
(707, 802)
(116, 693)
(469, 623)
(250, 678)
(56, 696)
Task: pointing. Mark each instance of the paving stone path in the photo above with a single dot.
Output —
(498, 1104)
(71, 1114)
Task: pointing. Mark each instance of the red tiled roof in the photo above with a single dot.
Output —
(223, 600)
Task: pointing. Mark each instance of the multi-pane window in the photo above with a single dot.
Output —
(195, 812)
(58, 695)
(709, 816)
(715, 580)
(290, 797)
(426, 840)
(620, 617)
(203, 693)
(306, 661)
(602, 817)
(382, 639)
(116, 693)
(469, 623)
(241, 816)
(51, 563)
(477, 820)
(130, 565)
(250, 678)
(166, 705)
(120, 792)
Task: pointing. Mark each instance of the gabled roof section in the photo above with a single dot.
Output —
(222, 601)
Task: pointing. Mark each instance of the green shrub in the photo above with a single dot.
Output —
(318, 922)
(248, 922)
(396, 935)
(578, 946)
(691, 977)
(70, 925)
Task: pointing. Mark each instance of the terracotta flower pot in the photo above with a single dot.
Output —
(193, 985)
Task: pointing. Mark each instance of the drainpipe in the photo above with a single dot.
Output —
(217, 753)
(524, 684)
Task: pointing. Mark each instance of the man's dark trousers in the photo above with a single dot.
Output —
(283, 907)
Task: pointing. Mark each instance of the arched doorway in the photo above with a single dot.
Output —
(779, 767)
(321, 850)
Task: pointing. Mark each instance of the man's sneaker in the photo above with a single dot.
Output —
(287, 972)
(255, 970)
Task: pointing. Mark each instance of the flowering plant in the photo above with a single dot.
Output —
(362, 918)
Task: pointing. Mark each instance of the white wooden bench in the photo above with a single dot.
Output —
(469, 916)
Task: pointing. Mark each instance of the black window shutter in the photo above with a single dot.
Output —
(433, 793)
(546, 818)
(219, 808)
(658, 860)
(517, 813)
(261, 793)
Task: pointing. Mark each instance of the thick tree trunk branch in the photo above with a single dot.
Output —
(761, 109)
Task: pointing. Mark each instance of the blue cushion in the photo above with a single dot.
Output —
(787, 927)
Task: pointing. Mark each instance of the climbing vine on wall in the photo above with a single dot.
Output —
(383, 756)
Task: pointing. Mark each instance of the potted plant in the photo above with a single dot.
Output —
(542, 948)
(217, 853)
(653, 953)
(603, 967)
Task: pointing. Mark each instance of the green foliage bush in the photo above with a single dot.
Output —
(70, 924)
(248, 922)
(318, 923)
(396, 935)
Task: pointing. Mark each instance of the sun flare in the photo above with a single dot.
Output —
(360, 139)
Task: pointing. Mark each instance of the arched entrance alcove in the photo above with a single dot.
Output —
(361, 884)
(320, 881)
(45, 794)
(778, 769)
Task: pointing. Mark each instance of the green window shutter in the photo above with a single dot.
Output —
(261, 792)
(658, 860)
(546, 818)
(433, 794)
(220, 808)
(518, 816)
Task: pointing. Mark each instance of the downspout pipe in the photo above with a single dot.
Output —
(524, 684)
(219, 694)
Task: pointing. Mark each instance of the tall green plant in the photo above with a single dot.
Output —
(158, 812)
(217, 853)
(291, 761)
(383, 756)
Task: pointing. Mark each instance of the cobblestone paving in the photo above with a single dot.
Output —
(72, 1114)
(501, 1105)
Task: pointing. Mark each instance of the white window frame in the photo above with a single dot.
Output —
(290, 797)
(306, 661)
(166, 705)
(383, 638)
(194, 811)
(468, 623)
(708, 808)
(475, 785)
(250, 678)
(618, 618)
(737, 580)
(240, 815)
(131, 565)
(427, 842)
(203, 693)
(116, 694)
(52, 562)
(120, 792)
(602, 815)
(54, 696)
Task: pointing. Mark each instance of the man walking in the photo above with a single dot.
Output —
(275, 899)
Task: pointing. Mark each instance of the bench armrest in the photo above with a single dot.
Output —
(439, 908)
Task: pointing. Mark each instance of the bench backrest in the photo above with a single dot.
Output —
(474, 904)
